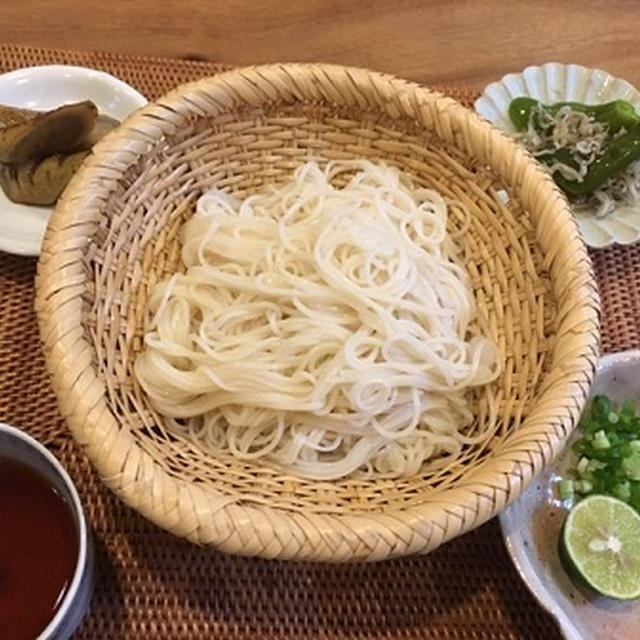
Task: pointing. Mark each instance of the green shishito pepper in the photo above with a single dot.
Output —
(615, 115)
(617, 154)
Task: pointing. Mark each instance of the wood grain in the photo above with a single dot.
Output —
(455, 43)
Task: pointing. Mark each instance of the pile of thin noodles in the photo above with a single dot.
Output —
(320, 329)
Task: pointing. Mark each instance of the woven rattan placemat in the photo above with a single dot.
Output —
(152, 585)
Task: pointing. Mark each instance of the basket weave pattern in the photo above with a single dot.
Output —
(115, 234)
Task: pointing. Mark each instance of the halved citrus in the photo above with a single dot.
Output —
(601, 539)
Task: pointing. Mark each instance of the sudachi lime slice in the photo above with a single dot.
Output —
(601, 538)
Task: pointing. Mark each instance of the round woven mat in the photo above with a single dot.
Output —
(152, 585)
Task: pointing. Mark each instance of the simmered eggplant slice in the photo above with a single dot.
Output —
(47, 134)
(40, 182)
(103, 125)
(15, 115)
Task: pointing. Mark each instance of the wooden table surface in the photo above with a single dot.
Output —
(461, 43)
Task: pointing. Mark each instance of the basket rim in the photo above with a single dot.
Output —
(205, 516)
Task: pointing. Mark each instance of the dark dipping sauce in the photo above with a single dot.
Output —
(38, 551)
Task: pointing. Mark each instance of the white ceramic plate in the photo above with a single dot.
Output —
(47, 87)
(531, 529)
(555, 82)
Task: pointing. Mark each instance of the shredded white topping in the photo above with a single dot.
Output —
(581, 135)
(620, 190)
(584, 139)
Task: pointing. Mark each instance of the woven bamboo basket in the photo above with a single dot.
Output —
(114, 234)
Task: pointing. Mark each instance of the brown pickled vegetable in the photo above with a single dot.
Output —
(40, 151)
(46, 134)
(103, 125)
(15, 115)
(40, 181)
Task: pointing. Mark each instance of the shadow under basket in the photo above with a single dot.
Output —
(114, 234)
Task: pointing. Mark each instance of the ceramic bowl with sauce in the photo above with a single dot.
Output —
(46, 555)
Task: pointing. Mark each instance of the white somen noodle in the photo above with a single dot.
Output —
(325, 330)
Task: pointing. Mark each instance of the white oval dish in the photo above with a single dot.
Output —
(22, 226)
(556, 82)
(531, 528)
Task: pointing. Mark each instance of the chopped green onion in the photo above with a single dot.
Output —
(594, 465)
(608, 454)
(601, 406)
(583, 486)
(583, 463)
(565, 489)
(622, 491)
(600, 440)
(627, 411)
(631, 466)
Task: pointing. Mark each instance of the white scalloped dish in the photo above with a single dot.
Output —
(556, 82)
